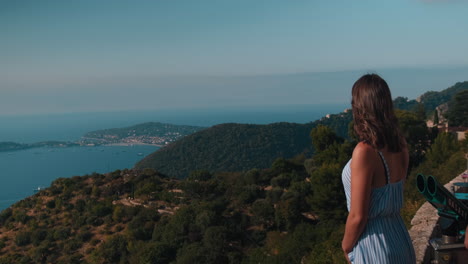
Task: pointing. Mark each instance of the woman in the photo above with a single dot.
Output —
(466, 238)
(373, 179)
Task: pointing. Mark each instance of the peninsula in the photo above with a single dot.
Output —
(13, 146)
(151, 133)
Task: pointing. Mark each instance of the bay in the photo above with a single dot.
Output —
(24, 171)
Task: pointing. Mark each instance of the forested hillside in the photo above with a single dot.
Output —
(239, 147)
(430, 100)
(231, 147)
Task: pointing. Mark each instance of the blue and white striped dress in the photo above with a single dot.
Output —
(385, 238)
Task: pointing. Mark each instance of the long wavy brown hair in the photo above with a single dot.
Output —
(374, 118)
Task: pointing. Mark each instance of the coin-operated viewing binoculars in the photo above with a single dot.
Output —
(453, 212)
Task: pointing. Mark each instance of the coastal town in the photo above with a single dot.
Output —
(130, 140)
(151, 133)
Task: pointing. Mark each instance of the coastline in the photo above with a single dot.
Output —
(70, 145)
(122, 144)
(46, 165)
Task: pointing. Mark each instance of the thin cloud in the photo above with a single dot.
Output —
(443, 1)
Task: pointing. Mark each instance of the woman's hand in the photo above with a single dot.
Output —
(466, 238)
(346, 254)
(347, 258)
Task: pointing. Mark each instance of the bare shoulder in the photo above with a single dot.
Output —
(363, 151)
(363, 164)
(364, 157)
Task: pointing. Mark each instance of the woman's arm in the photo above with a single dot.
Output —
(466, 238)
(363, 165)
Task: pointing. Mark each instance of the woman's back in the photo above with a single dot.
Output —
(374, 231)
(385, 238)
(397, 163)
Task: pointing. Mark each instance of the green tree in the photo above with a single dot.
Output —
(458, 110)
(23, 238)
(176, 231)
(416, 133)
(102, 209)
(205, 219)
(283, 180)
(252, 176)
(328, 200)
(141, 226)
(5, 215)
(118, 213)
(297, 244)
(404, 104)
(444, 146)
(274, 195)
(194, 253)
(156, 252)
(113, 250)
(200, 175)
(263, 212)
(420, 112)
(96, 192)
(322, 137)
(38, 236)
(215, 239)
(288, 213)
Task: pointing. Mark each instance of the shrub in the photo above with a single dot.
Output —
(5, 215)
(51, 204)
(21, 216)
(38, 236)
(101, 210)
(113, 250)
(85, 236)
(283, 181)
(62, 233)
(23, 238)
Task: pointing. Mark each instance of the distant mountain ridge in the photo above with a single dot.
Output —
(431, 99)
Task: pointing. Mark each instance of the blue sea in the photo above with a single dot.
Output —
(23, 171)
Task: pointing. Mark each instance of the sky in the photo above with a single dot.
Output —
(84, 56)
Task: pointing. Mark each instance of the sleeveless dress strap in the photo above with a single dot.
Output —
(387, 171)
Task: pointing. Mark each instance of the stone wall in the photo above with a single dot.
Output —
(424, 227)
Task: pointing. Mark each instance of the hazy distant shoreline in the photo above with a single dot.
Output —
(13, 147)
(131, 144)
